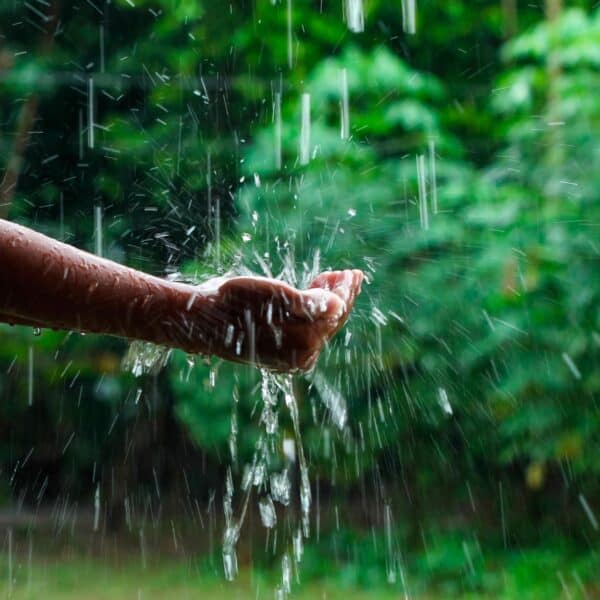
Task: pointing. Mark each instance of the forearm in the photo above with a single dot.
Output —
(51, 284)
(45, 283)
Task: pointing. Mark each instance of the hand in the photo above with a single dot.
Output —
(276, 326)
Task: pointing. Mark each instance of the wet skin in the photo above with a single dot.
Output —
(45, 283)
(289, 326)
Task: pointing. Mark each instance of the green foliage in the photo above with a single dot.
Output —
(450, 564)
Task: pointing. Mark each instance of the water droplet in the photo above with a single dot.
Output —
(30, 375)
(230, 565)
(286, 574)
(259, 475)
(145, 358)
(298, 546)
(355, 17)
(281, 487)
(443, 401)
(97, 508)
(305, 130)
(289, 449)
(268, 514)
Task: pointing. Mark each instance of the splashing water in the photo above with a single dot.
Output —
(231, 533)
(97, 508)
(344, 107)
(433, 176)
(30, 375)
(281, 487)
(90, 131)
(286, 574)
(391, 566)
(268, 514)
(144, 358)
(274, 488)
(234, 427)
(409, 16)
(277, 120)
(285, 384)
(275, 483)
(98, 229)
(421, 178)
(333, 400)
(355, 17)
(305, 130)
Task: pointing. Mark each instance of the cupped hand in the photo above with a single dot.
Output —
(276, 326)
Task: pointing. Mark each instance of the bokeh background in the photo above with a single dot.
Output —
(458, 166)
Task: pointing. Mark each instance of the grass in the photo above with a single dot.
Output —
(538, 573)
(94, 581)
(343, 565)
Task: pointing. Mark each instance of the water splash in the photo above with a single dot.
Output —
(30, 375)
(285, 383)
(98, 229)
(231, 533)
(144, 358)
(409, 16)
(421, 178)
(90, 129)
(344, 106)
(333, 399)
(97, 508)
(355, 16)
(286, 574)
(281, 487)
(444, 402)
(433, 176)
(305, 130)
(278, 126)
(234, 427)
(589, 512)
(275, 487)
(268, 513)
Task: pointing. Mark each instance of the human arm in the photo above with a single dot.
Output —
(45, 283)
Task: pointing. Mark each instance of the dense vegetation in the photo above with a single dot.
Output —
(466, 189)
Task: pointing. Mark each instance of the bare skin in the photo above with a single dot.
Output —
(45, 283)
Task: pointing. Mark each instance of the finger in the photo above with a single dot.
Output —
(343, 286)
(327, 280)
(321, 303)
(355, 286)
(322, 280)
(357, 279)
